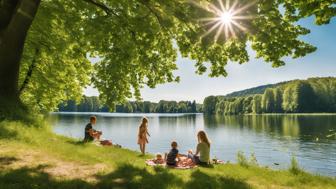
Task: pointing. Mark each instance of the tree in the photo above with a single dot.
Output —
(220, 107)
(194, 107)
(277, 93)
(247, 105)
(209, 105)
(267, 101)
(306, 98)
(290, 102)
(135, 43)
(147, 107)
(127, 107)
(325, 92)
(256, 104)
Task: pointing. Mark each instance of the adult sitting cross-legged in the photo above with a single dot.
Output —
(90, 133)
(202, 155)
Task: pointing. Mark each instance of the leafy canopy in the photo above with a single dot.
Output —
(137, 42)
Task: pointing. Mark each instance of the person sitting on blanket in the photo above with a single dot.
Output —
(172, 155)
(203, 149)
(159, 159)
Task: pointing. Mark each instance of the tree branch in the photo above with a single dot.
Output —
(108, 10)
(158, 18)
(29, 72)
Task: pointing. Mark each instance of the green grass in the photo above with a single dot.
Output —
(34, 157)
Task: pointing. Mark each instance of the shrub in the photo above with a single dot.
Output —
(294, 166)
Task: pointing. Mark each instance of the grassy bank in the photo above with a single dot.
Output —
(34, 157)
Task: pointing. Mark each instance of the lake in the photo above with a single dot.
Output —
(274, 139)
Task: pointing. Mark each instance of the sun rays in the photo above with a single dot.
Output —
(227, 18)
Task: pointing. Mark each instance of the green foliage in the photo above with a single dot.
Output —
(55, 54)
(323, 10)
(268, 101)
(278, 99)
(93, 104)
(245, 162)
(290, 103)
(253, 91)
(242, 160)
(209, 104)
(253, 160)
(294, 166)
(325, 90)
(137, 43)
(297, 96)
(256, 104)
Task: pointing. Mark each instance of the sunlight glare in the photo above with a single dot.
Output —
(226, 17)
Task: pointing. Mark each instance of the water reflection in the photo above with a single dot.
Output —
(302, 127)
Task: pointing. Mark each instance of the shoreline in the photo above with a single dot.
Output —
(37, 157)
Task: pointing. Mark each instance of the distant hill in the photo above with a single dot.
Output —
(314, 95)
(254, 90)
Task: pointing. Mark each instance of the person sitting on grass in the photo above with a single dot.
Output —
(159, 159)
(172, 155)
(203, 149)
(90, 134)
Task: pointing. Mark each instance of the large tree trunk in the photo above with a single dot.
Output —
(16, 18)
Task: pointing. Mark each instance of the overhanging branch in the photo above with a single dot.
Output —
(108, 10)
(156, 15)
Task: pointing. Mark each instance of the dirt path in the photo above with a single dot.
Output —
(12, 159)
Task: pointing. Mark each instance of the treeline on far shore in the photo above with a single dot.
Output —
(93, 104)
(314, 95)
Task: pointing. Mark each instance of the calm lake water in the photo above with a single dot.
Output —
(273, 138)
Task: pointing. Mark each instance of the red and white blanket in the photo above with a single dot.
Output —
(184, 163)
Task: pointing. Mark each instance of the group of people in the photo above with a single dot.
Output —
(172, 158)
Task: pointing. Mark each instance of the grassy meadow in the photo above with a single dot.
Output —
(33, 157)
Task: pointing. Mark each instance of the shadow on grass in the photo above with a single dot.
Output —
(30, 178)
(5, 133)
(6, 160)
(201, 180)
(125, 176)
(76, 142)
(128, 176)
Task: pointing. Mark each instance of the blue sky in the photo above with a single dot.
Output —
(321, 63)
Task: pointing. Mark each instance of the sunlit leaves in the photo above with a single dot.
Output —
(137, 42)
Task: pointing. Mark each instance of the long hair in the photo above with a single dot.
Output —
(144, 122)
(202, 137)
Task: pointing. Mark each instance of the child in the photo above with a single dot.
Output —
(172, 155)
(142, 135)
(159, 159)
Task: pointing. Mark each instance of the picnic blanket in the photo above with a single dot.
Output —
(151, 162)
(183, 164)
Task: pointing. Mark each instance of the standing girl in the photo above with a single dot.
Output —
(142, 135)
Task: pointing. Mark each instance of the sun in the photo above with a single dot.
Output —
(227, 18)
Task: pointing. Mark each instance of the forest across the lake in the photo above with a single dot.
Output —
(93, 104)
(314, 95)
